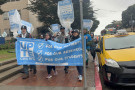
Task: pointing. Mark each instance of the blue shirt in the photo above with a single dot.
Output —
(87, 40)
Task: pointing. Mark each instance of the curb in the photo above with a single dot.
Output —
(98, 84)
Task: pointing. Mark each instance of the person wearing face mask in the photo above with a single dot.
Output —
(48, 36)
(25, 34)
(75, 35)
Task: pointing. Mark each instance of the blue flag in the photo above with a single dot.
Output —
(41, 52)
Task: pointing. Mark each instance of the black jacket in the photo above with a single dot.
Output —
(74, 38)
(27, 35)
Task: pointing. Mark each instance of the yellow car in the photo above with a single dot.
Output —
(116, 56)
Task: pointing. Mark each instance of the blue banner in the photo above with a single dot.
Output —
(2, 40)
(41, 52)
(55, 28)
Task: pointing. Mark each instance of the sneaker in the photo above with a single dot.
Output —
(49, 76)
(55, 72)
(25, 76)
(80, 77)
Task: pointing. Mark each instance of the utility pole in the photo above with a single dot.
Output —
(83, 47)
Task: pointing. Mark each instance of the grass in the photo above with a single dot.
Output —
(5, 55)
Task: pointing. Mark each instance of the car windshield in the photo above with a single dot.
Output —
(120, 42)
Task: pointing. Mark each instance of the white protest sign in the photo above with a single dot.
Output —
(66, 13)
(55, 28)
(15, 21)
(87, 23)
(29, 26)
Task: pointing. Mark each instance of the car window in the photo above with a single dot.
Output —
(120, 42)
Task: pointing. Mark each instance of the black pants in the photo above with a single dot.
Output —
(93, 53)
(26, 67)
(49, 69)
(80, 70)
(66, 67)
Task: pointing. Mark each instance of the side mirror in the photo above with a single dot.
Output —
(98, 50)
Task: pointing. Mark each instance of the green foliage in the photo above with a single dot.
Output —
(95, 25)
(115, 24)
(47, 13)
(5, 55)
(127, 15)
(8, 45)
(88, 13)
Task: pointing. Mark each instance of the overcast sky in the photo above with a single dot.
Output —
(109, 10)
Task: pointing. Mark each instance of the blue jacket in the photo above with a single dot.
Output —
(87, 40)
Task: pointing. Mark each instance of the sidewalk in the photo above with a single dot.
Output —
(60, 82)
(42, 88)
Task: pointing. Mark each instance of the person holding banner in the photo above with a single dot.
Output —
(75, 35)
(88, 42)
(63, 39)
(25, 34)
(48, 36)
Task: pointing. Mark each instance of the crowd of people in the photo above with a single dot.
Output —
(61, 38)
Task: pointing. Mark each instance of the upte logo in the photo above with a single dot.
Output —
(26, 49)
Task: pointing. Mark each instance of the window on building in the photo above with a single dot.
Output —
(11, 33)
(5, 16)
(8, 32)
(19, 12)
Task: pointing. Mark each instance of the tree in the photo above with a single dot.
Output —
(128, 15)
(2, 2)
(88, 13)
(115, 24)
(47, 13)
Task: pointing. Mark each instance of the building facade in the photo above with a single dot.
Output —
(25, 14)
